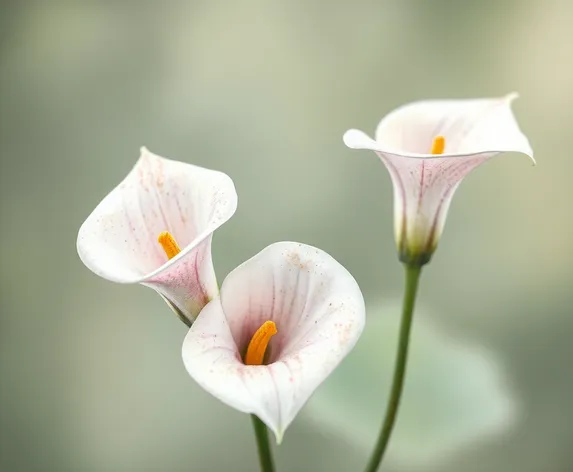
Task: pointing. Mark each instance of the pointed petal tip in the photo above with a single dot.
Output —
(356, 139)
(348, 137)
(144, 152)
(279, 436)
(527, 152)
(509, 99)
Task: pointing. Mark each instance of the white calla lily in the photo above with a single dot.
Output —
(428, 147)
(155, 228)
(310, 305)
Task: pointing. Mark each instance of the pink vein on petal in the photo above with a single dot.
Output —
(421, 193)
(402, 192)
(199, 284)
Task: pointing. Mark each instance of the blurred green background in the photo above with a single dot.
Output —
(91, 377)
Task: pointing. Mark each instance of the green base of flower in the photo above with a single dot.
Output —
(415, 259)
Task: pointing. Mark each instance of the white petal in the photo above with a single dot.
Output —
(118, 241)
(424, 184)
(319, 312)
(469, 127)
(423, 190)
(356, 139)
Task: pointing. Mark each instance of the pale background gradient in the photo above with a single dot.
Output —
(91, 377)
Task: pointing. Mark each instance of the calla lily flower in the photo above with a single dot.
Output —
(155, 228)
(283, 321)
(428, 147)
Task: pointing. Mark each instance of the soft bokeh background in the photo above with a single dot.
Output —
(90, 372)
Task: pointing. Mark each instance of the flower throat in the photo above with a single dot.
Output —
(260, 341)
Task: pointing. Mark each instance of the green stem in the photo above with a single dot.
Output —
(263, 445)
(412, 278)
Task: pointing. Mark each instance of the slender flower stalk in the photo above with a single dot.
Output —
(263, 445)
(428, 148)
(412, 277)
